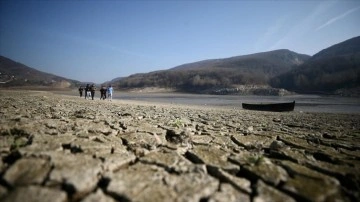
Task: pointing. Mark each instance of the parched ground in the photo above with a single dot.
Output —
(63, 148)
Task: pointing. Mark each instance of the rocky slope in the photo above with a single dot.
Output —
(63, 148)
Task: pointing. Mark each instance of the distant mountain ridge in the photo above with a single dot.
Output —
(349, 46)
(282, 57)
(14, 74)
(334, 70)
(201, 76)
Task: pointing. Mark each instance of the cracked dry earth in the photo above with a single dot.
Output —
(63, 148)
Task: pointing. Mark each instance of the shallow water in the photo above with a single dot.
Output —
(304, 103)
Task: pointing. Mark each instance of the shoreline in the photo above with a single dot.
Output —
(304, 103)
(347, 106)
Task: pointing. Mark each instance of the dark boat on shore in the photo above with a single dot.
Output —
(273, 107)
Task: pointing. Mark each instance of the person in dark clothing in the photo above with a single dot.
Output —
(81, 89)
(92, 89)
(87, 89)
(103, 92)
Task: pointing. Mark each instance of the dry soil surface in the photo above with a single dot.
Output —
(65, 148)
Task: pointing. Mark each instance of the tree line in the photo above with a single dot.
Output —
(194, 80)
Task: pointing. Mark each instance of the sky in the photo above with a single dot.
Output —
(98, 41)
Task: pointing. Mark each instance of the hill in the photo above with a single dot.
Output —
(334, 70)
(215, 74)
(14, 74)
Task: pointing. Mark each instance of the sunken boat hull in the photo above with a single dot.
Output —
(273, 107)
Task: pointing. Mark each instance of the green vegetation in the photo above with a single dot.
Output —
(177, 123)
(16, 138)
(256, 159)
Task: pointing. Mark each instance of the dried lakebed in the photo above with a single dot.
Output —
(63, 148)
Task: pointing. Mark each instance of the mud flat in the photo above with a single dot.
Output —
(64, 148)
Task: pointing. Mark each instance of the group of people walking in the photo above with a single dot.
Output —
(105, 92)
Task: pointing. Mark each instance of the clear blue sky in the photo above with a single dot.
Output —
(101, 40)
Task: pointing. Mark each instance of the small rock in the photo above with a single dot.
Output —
(178, 137)
(276, 120)
(277, 145)
(51, 125)
(250, 129)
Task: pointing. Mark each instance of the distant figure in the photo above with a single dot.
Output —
(87, 91)
(92, 89)
(81, 89)
(103, 92)
(110, 92)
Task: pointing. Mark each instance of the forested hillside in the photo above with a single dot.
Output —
(332, 70)
(254, 69)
